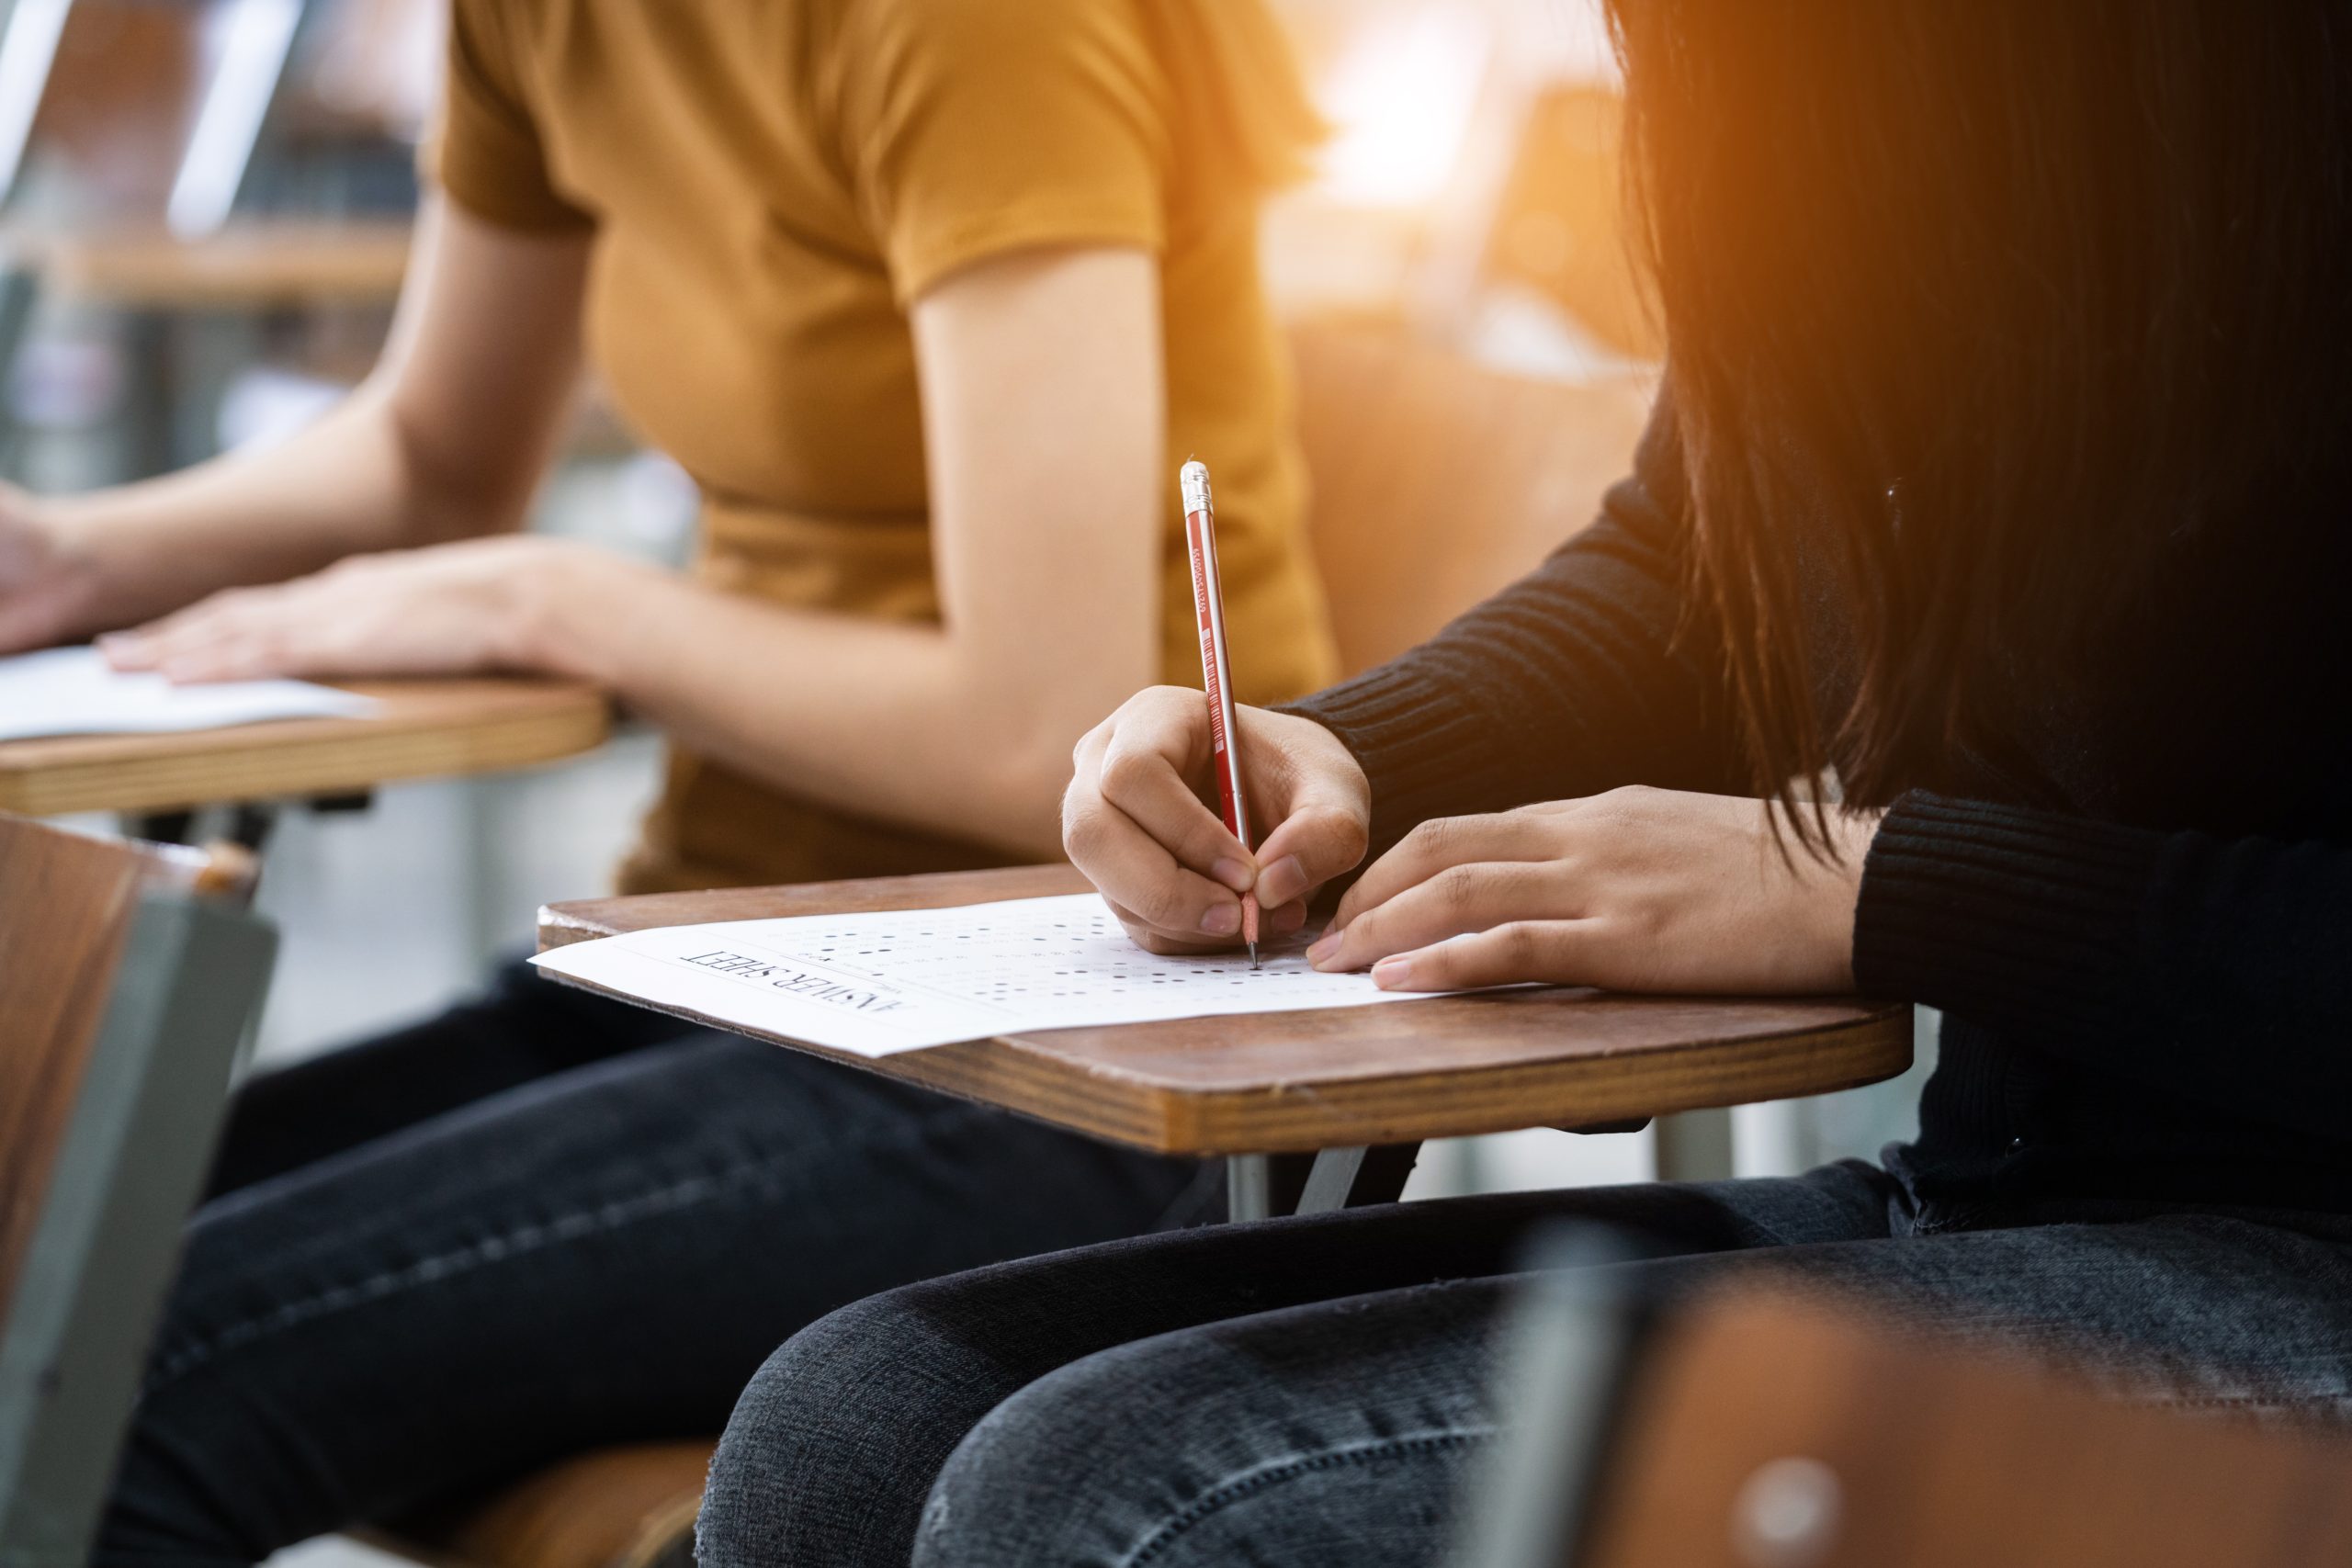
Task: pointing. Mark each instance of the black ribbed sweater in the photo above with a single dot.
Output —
(2135, 912)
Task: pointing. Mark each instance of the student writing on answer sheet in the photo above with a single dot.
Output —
(930, 296)
(2001, 469)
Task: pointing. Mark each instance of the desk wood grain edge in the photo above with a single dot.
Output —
(306, 757)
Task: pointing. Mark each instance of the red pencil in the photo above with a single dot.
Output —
(1216, 671)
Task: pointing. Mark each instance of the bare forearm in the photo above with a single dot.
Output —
(350, 484)
(446, 440)
(893, 721)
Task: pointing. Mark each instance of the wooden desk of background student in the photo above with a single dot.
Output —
(424, 729)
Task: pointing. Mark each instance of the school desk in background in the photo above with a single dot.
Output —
(297, 740)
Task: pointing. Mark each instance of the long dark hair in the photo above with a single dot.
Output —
(2000, 296)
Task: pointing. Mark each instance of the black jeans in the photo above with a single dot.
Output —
(1308, 1391)
(541, 1223)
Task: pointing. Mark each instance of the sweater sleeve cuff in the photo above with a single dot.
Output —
(1999, 913)
(1420, 747)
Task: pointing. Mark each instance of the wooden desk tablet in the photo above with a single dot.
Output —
(424, 729)
(253, 265)
(1342, 1078)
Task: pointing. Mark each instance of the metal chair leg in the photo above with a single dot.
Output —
(1259, 1186)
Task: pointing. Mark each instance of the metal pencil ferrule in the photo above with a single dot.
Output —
(1194, 479)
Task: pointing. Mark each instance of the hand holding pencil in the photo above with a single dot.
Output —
(1183, 878)
(1135, 821)
(1216, 675)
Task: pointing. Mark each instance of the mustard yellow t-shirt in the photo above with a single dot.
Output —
(770, 186)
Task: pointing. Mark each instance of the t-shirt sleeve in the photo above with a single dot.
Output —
(976, 127)
(484, 149)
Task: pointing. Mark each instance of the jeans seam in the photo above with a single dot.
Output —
(514, 1242)
(2248, 1401)
(1241, 1484)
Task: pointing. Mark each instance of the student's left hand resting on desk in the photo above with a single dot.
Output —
(1637, 890)
(455, 609)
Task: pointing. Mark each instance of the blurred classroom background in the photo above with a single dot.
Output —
(206, 204)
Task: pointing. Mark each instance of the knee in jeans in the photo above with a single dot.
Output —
(757, 1473)
(818, 1447)
(1179, 1453)
(1059, 1472)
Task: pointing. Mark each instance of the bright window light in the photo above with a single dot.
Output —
(1400, 96)
(27, 51)
(254, 36)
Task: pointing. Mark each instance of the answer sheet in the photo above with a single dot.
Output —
(877, 984)
(73, 691)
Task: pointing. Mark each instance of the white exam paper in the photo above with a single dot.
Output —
(73, 691)
(877, 984)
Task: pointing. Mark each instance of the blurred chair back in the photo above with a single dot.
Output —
(1436, 481)
(130, 977)
(1763, 1431)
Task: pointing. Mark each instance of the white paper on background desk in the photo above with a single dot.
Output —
(876, 984)
(72, 691)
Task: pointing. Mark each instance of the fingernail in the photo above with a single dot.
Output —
(1288, 919)
(1222, 919)
(1234, 873)
(1281, 882)
(1323, 947)
(1394, 974)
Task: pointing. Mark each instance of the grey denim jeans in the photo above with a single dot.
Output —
(542, 1223)
(1313, 1391)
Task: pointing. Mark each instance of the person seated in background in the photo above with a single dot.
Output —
(1999, 473)
(931, 297)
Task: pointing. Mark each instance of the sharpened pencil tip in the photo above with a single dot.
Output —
(1253, 955)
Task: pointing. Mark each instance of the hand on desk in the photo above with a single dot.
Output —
(455, 609)
(1635, 890)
